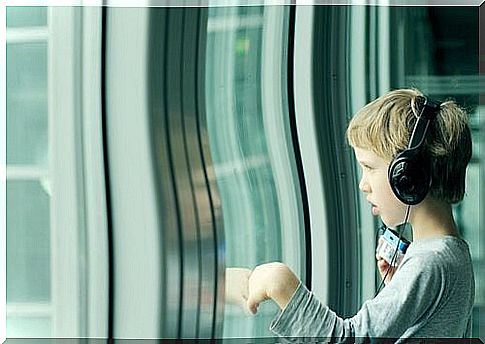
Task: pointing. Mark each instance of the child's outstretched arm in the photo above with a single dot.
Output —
(273, 281)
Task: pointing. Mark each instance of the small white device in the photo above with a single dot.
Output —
(390, 245)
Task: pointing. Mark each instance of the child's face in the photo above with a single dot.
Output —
(375, 184)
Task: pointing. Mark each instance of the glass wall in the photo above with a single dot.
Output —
(57, 242)
(251, 147)
(47, 216)
(29, 307)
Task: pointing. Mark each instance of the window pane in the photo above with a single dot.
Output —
(28, 242)
(468, 211)
(239, 149)
(27, 103)
(251, 149)
(26, 16)
(25, 327)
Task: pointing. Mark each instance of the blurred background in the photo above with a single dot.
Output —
(148, 149)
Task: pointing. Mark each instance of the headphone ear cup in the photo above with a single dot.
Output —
(409, 178)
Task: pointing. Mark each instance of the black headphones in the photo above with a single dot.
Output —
(409, 172)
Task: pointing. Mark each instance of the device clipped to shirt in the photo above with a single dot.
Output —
(391, 247)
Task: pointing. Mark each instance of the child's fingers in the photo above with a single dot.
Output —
(254, 297)
(252, 306)
(382, 265)
(385, 269)
(381, 262)
(256, 289)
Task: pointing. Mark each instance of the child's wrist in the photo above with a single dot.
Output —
(284, 285)
(283, 297)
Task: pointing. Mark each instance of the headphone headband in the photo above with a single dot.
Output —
(429, 110)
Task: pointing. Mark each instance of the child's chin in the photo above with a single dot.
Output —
(388, 222)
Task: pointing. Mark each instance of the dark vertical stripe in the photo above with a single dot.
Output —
(296, 147)
(109, 218)
(156, 70)
(367, 50)
(330, 101)
(166, 82)
(200, 107)
(182, 227)
(376, 51)
(199, 245)
(187, 61)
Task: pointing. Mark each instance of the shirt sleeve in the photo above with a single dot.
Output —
(411, 296)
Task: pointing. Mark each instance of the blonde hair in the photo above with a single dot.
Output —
(384, 127)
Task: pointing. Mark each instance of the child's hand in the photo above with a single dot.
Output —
(383, 266)
(271, 281)
(237, 287)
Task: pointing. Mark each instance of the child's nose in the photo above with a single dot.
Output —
(364, 186)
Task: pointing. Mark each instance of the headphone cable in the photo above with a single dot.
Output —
(394, 256)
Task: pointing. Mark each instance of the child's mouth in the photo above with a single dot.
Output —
(375, 210)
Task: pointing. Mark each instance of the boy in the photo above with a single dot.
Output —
(431, 293)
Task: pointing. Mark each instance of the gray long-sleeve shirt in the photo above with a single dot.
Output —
(430, 296)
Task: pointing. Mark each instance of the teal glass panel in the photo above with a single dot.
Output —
(28, 327)
(238, 142)
(28, 242)
(242, 152)
(23, 16)
(27, 104)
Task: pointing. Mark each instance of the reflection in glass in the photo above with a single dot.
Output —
(27, 104)
(28, 242)
(24, 16)
(33, 327)
(239, 152)
(247, 154)
(29, 275)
